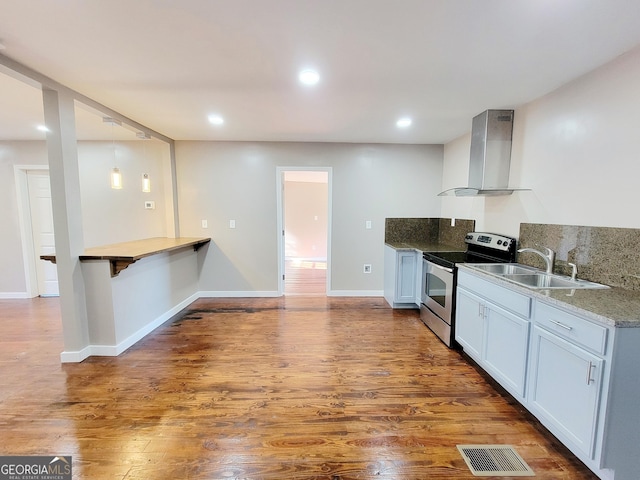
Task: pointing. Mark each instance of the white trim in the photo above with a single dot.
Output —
(13, 295)
(239, 294)
(148, 328)
(75, 356)
(355, 293)
(115, 350)
(26, 231)
(280, 219)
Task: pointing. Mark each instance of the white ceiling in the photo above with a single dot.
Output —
(168, 64)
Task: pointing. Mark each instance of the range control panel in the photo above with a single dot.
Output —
(490, 240)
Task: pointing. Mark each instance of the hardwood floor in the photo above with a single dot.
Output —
(305, 277)
(279, 388)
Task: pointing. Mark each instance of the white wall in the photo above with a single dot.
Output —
(221, 181)
(577, 149)
(109, 216)
(113, 216)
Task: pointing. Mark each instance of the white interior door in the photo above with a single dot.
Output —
(43, 235)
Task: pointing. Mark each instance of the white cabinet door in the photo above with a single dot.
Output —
(400, 277)
(565, 385)
(505, 349)
(406, 277)
(470, 323)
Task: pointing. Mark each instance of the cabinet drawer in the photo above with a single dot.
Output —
(512, 301)
(573, 327)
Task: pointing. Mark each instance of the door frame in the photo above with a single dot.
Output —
(26, 231)
(280, 220)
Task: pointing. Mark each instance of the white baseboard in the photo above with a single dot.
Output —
(77, 356)
(115, 350)
(147, 329)
(355, 293)
(13, 295)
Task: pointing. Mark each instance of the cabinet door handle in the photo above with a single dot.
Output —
(562, 325)
(589, 379)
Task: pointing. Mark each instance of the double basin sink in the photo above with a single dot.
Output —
(532, 277)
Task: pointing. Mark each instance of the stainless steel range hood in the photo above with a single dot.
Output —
(490, 156)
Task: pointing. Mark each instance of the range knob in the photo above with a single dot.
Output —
(499, 242)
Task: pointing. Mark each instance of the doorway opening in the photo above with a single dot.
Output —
(304, 224)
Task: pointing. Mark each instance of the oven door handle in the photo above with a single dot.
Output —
(450, 270)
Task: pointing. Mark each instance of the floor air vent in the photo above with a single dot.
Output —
(494, 461)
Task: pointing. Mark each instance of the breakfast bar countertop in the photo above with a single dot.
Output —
(121, 255)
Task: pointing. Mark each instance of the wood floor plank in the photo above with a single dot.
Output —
(277, 388)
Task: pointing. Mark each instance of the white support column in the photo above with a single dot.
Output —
(59, 115)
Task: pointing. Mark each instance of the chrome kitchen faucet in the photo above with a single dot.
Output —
(549, 257)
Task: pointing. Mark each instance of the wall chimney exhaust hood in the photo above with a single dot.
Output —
(490, 160)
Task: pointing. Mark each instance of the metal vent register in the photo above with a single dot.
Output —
(494, 460)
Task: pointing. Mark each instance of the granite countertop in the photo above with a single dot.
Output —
(424, 247)
(614, 306)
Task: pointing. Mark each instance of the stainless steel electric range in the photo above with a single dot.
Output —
(439, 278)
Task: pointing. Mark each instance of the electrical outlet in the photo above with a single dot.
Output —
(232, 224)
(367, 268)
(149, 204)
(367, 224)
(205, 224)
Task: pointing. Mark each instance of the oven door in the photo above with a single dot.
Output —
(437, 289)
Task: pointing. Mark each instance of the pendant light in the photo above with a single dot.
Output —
(116, 178)
(146, 182)
(116, 175)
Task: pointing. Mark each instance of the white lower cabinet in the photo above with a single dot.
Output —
(494, 332)
(400, 277)
(565, 387)
(505, 351)
(577, 376)
(469, 323)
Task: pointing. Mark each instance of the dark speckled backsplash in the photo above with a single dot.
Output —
(603, 254)
(428, 230)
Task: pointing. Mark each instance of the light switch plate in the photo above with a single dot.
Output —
(205, 224)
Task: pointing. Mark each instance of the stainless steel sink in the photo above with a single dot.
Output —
(532, 277)
(545, 280)
(504, 268)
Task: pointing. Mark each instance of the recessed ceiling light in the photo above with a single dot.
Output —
(404, 122)
(309, 77)
(216, 119)
(42, 128)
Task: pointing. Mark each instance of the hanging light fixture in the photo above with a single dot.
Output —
(146, 182)
(116, 176)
